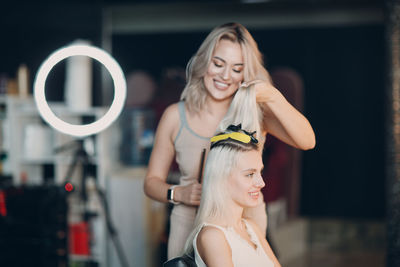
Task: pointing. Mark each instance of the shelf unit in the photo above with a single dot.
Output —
(21, 114)
(21, 121)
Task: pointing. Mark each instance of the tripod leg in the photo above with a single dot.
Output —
(71, 167)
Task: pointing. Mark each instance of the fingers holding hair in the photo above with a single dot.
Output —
(249, 83)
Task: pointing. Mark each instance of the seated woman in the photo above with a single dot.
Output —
(232, 183)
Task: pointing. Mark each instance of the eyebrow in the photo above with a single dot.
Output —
(250, 170)
(253, 170)
(238, 64)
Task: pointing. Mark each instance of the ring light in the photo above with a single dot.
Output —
(119, 90)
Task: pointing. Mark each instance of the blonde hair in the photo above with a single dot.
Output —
(245, 110)
(221, 161)
(195, 92)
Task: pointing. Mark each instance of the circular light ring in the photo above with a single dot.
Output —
(119, 90)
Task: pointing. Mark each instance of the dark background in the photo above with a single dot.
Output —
(342, 67)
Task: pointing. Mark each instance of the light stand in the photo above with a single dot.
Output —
(83, 131)
(82, 157)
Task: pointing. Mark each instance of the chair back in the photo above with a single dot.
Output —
(182, 261)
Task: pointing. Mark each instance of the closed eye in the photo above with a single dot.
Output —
(217, 65)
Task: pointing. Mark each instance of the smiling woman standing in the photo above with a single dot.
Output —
(228, 59)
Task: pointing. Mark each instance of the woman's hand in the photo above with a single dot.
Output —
(188, 194)
(265, 91)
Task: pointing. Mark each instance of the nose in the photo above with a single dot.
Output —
(259, 181)
(225, 73)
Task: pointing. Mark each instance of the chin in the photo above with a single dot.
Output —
(251, 204)
(221, 96)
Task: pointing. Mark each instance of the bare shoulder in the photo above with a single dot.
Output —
(213, 247)
(209, 234)
(171, 113)
(169, 122)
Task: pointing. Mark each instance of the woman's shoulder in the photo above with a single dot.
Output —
(210, 233)
(211, 241)
(172, 109)
(171, 113)
(169, 122)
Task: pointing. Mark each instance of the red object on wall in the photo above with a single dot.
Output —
(79, 238)
(275, 174)
(3, 206)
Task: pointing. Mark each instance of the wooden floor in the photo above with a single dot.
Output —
(330, 243)
(339, 259)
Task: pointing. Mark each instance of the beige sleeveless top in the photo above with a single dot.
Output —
(188, 147)
(243, 254)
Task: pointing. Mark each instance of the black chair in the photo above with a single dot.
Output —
(183, 261)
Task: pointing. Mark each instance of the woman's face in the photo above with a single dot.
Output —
(246, 182)
(225, 71)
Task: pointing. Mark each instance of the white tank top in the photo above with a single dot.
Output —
(243, 254)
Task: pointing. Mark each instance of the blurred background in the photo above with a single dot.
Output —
(327, 206)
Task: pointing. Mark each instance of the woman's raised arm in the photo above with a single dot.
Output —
(282, 120)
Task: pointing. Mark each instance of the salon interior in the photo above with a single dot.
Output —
(76, 199)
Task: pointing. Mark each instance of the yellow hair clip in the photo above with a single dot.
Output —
(241, 137)
(235, 132)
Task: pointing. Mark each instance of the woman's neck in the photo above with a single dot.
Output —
(236, 219)
(216, 108)
(233, 220)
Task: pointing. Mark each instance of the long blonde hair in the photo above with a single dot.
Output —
(195, 92)
(221, 161)
(245, 110)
